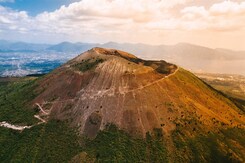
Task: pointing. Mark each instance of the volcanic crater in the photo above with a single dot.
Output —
(108, 86)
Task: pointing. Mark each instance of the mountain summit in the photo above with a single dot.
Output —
(105, 86)
(142, 98)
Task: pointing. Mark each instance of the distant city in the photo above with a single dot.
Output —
(22, 64)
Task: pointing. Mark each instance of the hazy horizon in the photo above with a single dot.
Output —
(19, 59)
(101, 43)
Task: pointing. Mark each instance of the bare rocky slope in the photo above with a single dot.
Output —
(107, 86)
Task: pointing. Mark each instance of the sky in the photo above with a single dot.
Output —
(211, 23)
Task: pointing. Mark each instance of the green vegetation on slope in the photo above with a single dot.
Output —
(51, 142)
(88, 64)
(212, 147)
(56, 142)
(14, 97)
(114, 145)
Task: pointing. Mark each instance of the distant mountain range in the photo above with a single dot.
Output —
(72, 47)
(194, 57)
(7, 46)
(145, 50)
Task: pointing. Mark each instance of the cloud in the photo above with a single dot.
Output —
(14, 21)
(222, 16)
(138, 11)
(227, 8)
(127, 20)
(113, 15)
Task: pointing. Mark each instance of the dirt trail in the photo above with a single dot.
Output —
(14, 127)
(21, 128)
(155, 82)
(38, 117)
(41, 109)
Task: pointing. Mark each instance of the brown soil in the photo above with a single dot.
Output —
(134, 94)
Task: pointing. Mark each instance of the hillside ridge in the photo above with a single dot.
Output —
(109, 75)
(107, 95)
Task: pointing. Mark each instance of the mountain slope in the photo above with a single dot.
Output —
(105, 86)
(117, 82)
(138, 109)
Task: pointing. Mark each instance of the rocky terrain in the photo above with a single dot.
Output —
(173, 113)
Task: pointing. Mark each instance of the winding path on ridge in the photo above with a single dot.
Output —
(155, 82)
(21, 128)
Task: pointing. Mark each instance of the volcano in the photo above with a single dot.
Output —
(104, 87)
